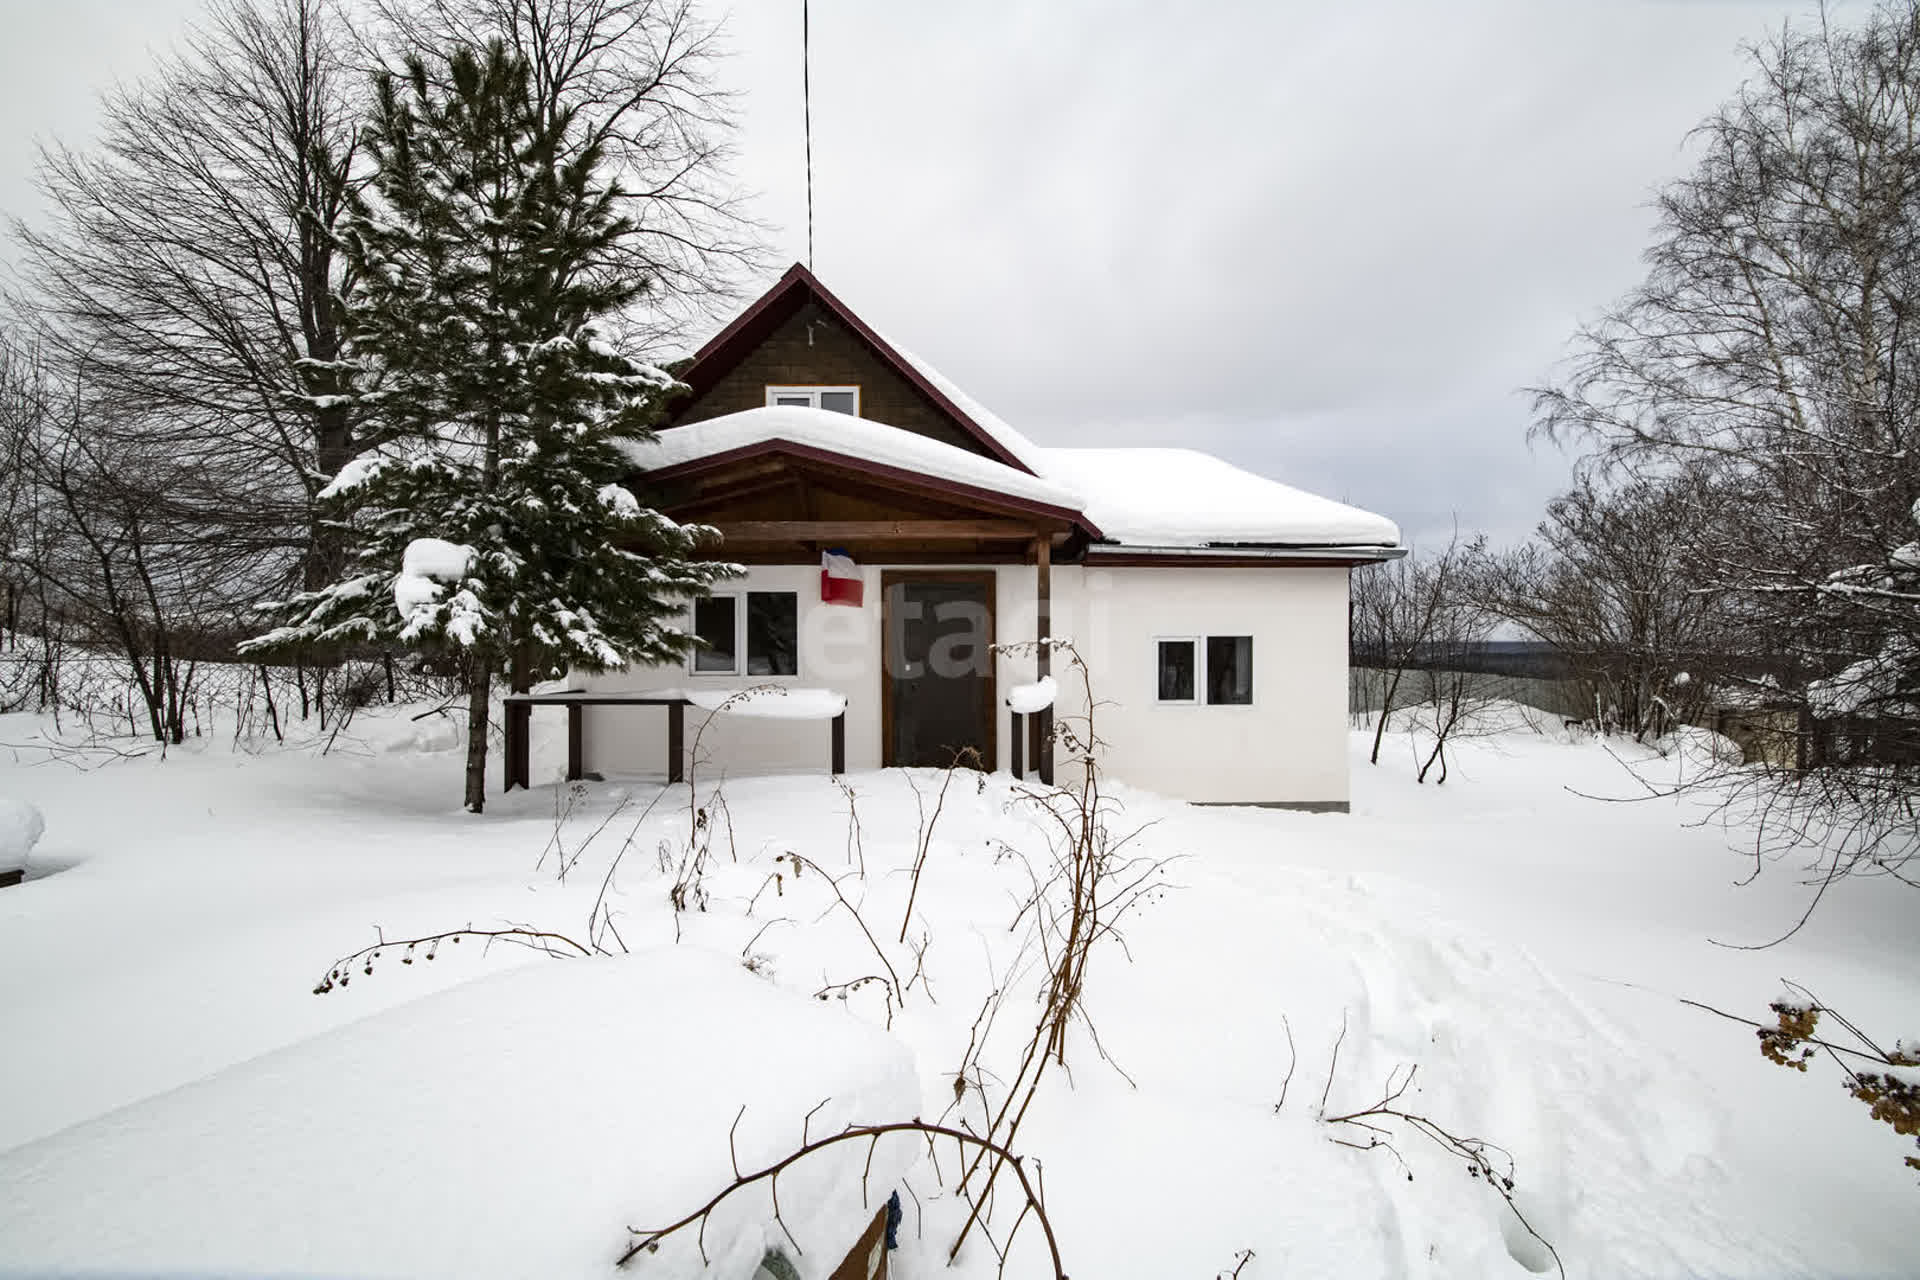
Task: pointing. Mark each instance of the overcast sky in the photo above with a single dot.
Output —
(1329, 241)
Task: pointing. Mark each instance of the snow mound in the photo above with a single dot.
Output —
(20, 829)
(477, 1130)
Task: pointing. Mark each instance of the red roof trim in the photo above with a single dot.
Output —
(720, 353)
(879, 470)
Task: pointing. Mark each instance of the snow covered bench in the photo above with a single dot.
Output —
(769, 702)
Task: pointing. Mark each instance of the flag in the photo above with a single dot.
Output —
(839, 579)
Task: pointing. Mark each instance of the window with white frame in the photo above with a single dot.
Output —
(754, 633)
(835, 399)
(1179, 669)
(1215, 669)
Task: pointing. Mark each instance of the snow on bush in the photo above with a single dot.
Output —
(20, 829)
(1030, 698)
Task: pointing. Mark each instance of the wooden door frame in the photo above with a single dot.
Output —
(890, 578)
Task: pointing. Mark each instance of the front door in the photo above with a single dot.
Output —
(937, 687)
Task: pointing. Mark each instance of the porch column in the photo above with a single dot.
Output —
(515, 758)
(1043, 722)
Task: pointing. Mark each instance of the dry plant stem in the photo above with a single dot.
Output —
(552, 944)
(1293, 1060)
(650, 1239)
(1874, 1056)
(1240, 1260)
(969, 756)
(856, 847)
(1096, 889)
(1472, 1150)
(800, 860)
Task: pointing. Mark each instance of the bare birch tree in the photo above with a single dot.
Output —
(1397, 611)
(1775, 344)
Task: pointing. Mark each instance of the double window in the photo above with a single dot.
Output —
(753, 633)
(834, 399)
(1215, 669)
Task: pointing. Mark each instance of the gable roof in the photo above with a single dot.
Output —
(751, 327)
(1145, 500)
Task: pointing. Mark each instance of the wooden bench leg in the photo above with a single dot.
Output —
(840, 744)
(1019, 745)
(514, 758)
(676, 742)
(1043, 746)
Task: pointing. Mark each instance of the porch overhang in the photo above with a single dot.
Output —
(782, 500)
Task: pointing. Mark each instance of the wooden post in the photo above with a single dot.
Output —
(676, 741)
(840, 743)
(515, 758)
(1043, 722)
(1019, 745)
(576, 766)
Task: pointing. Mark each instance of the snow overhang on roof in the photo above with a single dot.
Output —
(1185, 502)
(840, 435)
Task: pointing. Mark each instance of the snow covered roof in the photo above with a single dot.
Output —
(850, 437)
(514, 1125)
(1184, 498)
(986, 419)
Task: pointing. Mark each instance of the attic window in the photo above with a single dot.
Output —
(833, 399)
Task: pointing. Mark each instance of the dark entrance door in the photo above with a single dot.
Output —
(937, 684)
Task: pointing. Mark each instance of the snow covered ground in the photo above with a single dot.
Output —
(1519, 940)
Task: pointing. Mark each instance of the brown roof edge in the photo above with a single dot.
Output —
(719, 347)
(879, 470)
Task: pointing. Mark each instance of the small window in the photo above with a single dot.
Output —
(773, 633)
(763, 627)
(1229, 670)
(833, 399)
(715, 620)
(1179, 670)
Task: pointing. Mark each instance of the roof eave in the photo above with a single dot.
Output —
(1239, 554)
(878, 470)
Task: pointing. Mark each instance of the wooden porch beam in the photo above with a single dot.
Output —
(870, 530)
(1043, 722)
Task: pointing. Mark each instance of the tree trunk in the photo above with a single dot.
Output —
(1386, 709)
(479, 689)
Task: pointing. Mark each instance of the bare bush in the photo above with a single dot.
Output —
(1771, 350)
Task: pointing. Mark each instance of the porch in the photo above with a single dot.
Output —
(915, 655)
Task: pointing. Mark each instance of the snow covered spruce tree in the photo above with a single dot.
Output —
(489, 520)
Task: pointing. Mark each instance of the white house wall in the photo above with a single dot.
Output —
(1288, 747)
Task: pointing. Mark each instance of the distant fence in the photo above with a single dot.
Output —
(1367, 687)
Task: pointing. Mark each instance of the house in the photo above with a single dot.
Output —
(1209, 604)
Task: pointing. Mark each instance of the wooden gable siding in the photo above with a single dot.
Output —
(828, 356)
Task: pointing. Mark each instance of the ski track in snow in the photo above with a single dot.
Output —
(1521, 944)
